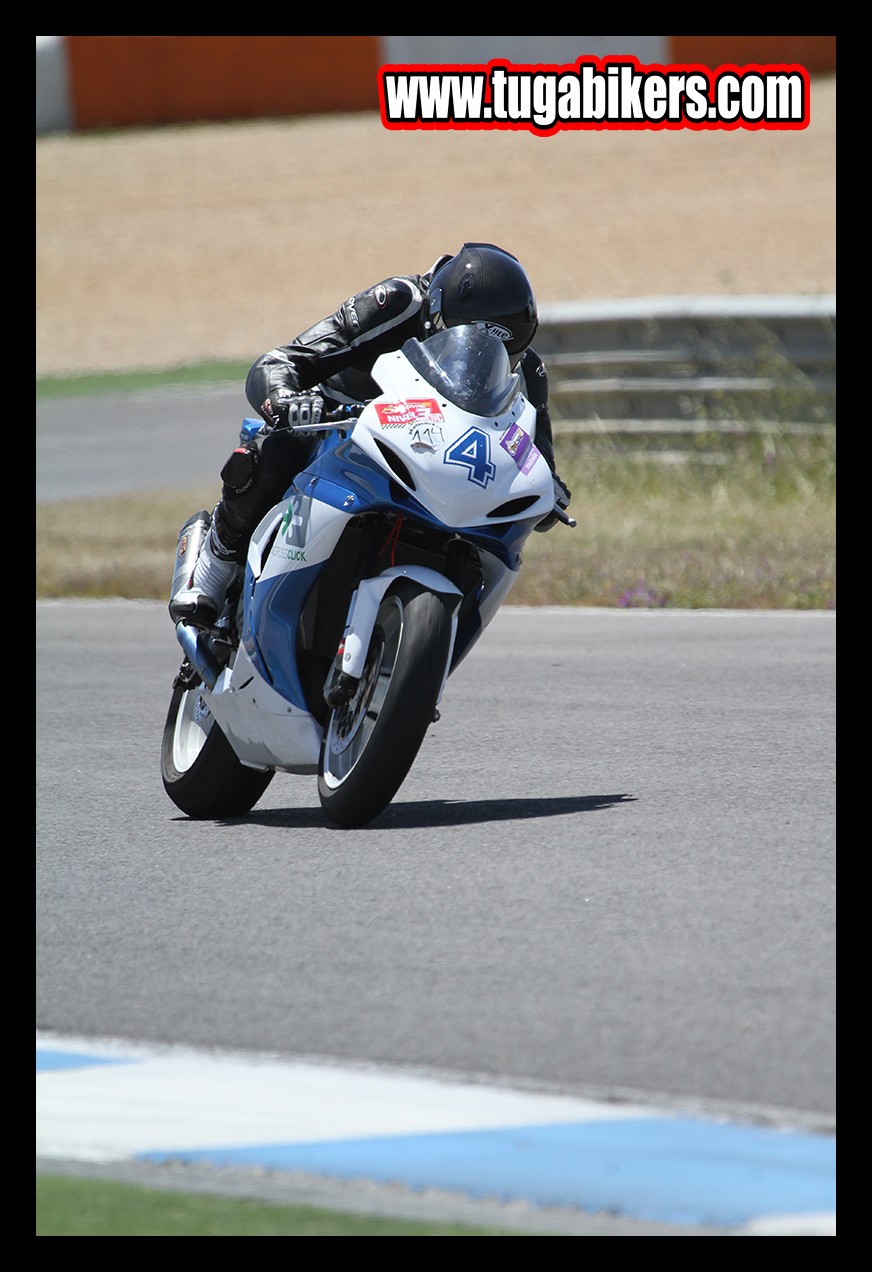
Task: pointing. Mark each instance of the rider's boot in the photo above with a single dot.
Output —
(201, 597)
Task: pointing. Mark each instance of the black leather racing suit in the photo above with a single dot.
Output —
(336, 356)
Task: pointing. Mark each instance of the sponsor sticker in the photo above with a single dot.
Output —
(295, 525)
(415, 411)
(521, 447)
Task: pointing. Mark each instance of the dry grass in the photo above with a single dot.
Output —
(728, 523)
(731, 524)
(122, 546)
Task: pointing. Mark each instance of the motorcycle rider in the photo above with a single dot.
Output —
(330, 364)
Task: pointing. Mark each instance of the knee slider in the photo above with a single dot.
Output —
(239, 473)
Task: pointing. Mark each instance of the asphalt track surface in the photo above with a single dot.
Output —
(609, 880)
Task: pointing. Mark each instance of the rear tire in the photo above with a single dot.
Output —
(200, 771)
(371, 742)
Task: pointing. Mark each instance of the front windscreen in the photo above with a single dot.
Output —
(468, 367)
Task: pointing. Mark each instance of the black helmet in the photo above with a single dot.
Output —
(487, 287)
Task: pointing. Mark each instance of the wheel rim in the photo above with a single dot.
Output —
(193, 722)
(350, 726)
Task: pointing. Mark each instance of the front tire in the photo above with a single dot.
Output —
(371, 742)
(200, 771)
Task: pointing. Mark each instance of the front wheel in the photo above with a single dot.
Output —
(371, 742)
(200, 771)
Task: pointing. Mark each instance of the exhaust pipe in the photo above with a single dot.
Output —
(199, 657)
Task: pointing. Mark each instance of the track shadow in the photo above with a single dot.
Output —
(438, 812)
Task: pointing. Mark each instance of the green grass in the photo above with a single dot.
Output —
(73, 1207)
(138, 380)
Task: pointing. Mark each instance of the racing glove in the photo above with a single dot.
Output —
(562, 496)
(286, 409)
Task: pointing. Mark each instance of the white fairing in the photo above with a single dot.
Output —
(462, 466)
(264, 729)
(306, 532)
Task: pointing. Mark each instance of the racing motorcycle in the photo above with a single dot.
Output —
(363, 590)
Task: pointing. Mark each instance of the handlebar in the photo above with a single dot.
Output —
(349, 411)
(329, 420)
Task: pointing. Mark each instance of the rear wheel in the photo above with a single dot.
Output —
(371, 742)
(200, 771)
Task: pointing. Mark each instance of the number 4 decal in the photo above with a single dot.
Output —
(472, 452)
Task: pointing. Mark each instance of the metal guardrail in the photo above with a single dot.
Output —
(687, 364)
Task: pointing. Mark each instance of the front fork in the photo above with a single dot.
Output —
(350, 657)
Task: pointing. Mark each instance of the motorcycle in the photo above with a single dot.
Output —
(363, 590)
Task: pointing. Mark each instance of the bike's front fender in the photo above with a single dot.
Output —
(365, 603)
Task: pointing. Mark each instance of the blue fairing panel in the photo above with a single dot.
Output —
(273, 614)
